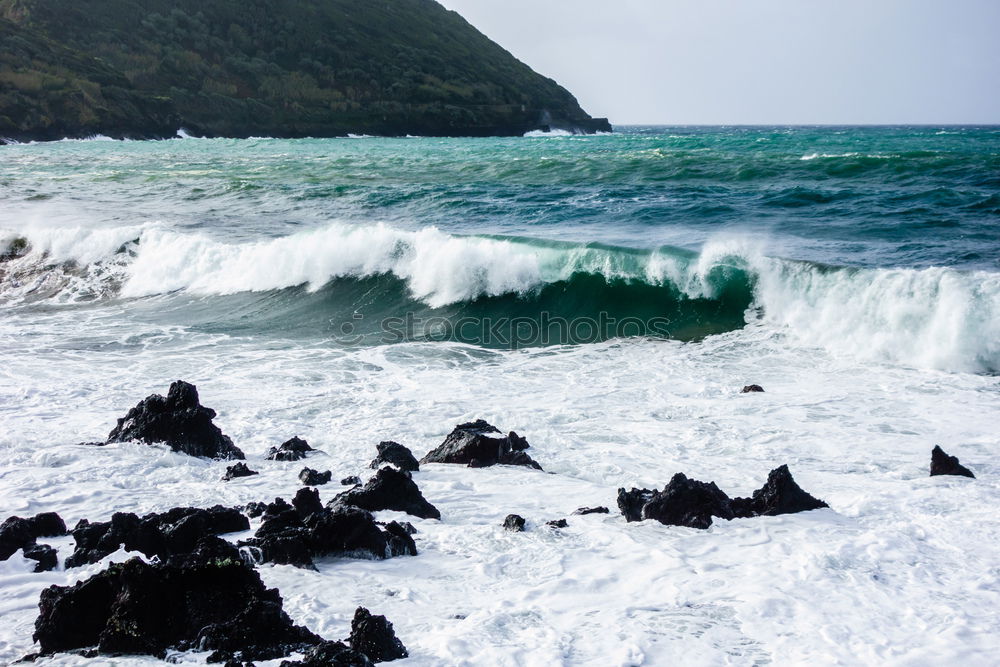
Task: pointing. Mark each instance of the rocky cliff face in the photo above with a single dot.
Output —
(291, 68)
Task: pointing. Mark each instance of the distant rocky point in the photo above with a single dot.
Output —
(241, 68)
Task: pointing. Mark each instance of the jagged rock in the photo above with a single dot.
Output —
(779, 495)
(592, 510)
(45, 556)
(179, 421)
(943, 464)
(752, 389)
(374, 637)
(353, 480)
(238, 470)
(405, 525)
(311, 477)
(389, 489)
(290, 450)
(395, 454)
(688, 502)
(330, 654)
(254, 510)
(558, 523)
(170, 533)
(17, 533)
(478, 444)
(306, 502)
(631, 502)
(199, 601)
(286, 537)
(514, 523)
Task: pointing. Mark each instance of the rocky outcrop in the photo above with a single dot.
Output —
(330, 654)
(290, 450)
(478, 444)
(206, 600)
(592, 510)
(779, 495)
(374, 637)
(18, 533)
(45, 557)
(311, 477)
(238, 470)
(295, 535)
(514, 523)
(395, 454)
(389, 489)
(557, 523)
(752, 389)
(689, 502)
(353, 480)
(172, 533)
(179, 421)
(943, 464)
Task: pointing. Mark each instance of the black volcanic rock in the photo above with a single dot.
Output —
(170, 533)
(389, 489)
(306, 502)
(17, 533)
(779, 495)
(45, 556)
(688, 502)
(207, 600)
(752, 389)
(254, 510)
(311, 477)
(238, 470)
(290, 450)
(631, 502)
(330, 654)
(943, 464)
(47, 524)
(395, 454)
(558, 523)
(287, 537)
(592, 510)
(179, 421)
(514, 523)
(478, 445)
(374, 637)
(353, 480)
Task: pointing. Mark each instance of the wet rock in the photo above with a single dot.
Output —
(285, 537)
(752, 389)
(688, 502)
(254, 510)
(47, 524)
(943, 464)
(374, 637)
(179, 421)
(631, 502)
(353, 480)
(306, 502)
(389, 489)
(395, 454)
(779, 495)
(46, 557)
(478, 444)
(331, 654)
(176, 531)
(238, 470)
(17, 533)
(290, 450)
(311, 477)
(198, 601)
(514, 523)
(558, 523)
(592, 510)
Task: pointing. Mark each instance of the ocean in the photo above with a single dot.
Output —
(607, 297)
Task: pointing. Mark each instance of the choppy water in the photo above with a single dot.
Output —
(607, 296)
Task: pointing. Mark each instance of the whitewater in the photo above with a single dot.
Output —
(854, 273)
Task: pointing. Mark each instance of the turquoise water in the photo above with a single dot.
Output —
(689, 230)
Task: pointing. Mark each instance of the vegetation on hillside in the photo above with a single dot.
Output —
(263, 67)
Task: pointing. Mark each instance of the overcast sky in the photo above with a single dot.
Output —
(759, 61)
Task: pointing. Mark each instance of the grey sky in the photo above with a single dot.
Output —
(760, 61)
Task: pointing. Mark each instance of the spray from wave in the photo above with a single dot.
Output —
(310, 281)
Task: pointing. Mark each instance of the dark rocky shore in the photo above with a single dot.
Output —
(201, 591)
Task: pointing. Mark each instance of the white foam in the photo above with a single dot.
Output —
(534, 134)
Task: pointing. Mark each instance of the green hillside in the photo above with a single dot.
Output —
(263, 67)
